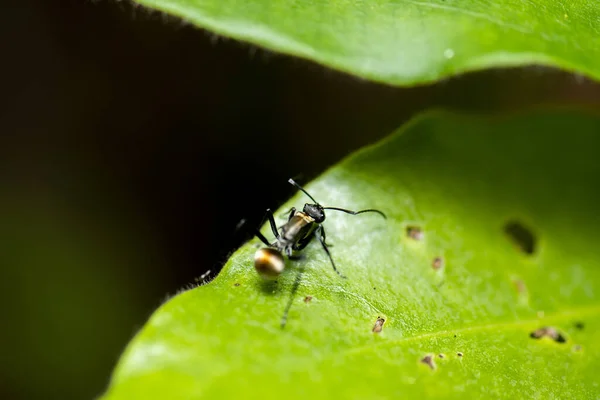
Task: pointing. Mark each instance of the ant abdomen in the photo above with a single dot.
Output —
(269, 262)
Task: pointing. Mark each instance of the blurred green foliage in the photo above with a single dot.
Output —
(407, 42)
(66, 268)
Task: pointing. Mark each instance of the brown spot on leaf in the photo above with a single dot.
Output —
(520, 286)
(378, 327)
(521, 289)
(577, 348)
(579, 325)
(428, 360)
(441, 355)
(437, 263)
(550, 332)
(236, 284)
(459, 354)
(414, 232)
(307, 299)
(522, 236)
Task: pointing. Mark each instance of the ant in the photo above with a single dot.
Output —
(299, 230)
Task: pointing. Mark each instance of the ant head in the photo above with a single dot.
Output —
(315, 211)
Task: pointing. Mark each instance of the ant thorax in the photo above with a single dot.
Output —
(297, 228)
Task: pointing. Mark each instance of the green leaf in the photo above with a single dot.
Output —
(407, 42)
(465, 183)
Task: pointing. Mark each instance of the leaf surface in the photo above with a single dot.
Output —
(510, 207)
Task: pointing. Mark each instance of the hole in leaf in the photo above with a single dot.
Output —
(428, 360)
(437, 263)
(522, 236)
(307, 299)
(414, 232)
(550, 332)
(378, 327)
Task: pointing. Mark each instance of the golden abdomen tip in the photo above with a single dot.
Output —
(269, 263)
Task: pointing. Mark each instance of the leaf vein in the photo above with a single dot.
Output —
(583, 311)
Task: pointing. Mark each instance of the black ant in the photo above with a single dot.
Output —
(299, 230)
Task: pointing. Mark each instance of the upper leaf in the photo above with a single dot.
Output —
(406, 42)
(486, 273)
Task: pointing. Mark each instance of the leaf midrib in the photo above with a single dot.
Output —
(496, 326)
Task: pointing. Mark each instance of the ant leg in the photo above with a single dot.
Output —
(319, 233)
(269, 215)
(292, 295)
(324, 238)
(290, 213)
(257, 233)
(302, 243)
(261, 237)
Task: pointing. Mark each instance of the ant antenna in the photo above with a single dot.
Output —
(355, 212)
(293, 182)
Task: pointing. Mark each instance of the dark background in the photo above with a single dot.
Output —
(131, 146)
